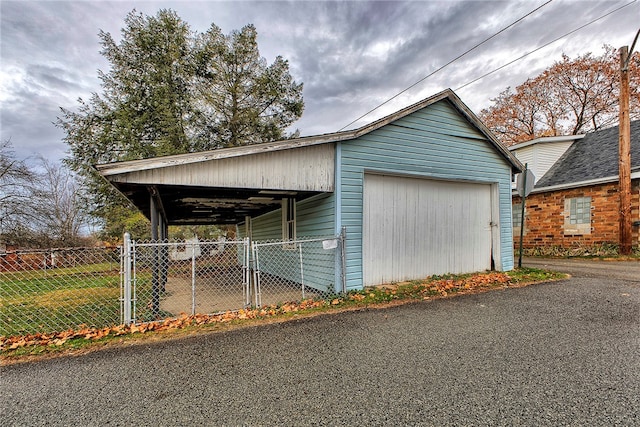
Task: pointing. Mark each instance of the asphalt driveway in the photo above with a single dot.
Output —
(579, 267)
(563, 353)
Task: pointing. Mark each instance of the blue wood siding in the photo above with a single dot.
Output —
(314, 218)
(436, 142)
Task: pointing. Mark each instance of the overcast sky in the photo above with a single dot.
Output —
(351, 56)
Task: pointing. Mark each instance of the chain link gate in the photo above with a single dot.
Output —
(168, 279)
(68, 288)
(294, 270)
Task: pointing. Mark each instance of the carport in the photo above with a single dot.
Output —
(425, 190)
(225, 186)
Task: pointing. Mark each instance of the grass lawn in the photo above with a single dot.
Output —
(57, 299)
(434, 287)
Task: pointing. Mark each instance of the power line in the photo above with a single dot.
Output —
(448, 63)
(543, 46)
(499, 68)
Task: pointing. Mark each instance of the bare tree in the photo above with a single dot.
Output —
(15, 183)
(39, 206)
(60, 215)
(572, 96)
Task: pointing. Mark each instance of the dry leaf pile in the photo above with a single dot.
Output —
(414, 290)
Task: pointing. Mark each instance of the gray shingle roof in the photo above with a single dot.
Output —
(593, 157)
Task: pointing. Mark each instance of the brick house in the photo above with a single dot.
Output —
(575, 201)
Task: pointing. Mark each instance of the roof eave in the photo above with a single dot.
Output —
(586, 183)
(181, 159)
(546, 139)
(117, 168)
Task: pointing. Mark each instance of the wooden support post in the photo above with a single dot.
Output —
(624, 146)
(164, 253)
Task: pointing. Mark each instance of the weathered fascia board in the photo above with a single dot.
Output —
(116, 168)
(309, 168)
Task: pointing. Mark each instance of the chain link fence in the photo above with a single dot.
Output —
(292, 271)
(206, 277)
(58, 289)
(175, 278)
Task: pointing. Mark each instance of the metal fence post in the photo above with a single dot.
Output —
(246, 271)
(126, 294)
(343, 259)
(193, 278)
(301, 270)
(256, 275)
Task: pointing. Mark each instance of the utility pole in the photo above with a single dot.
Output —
(624, 160)
(624, 151)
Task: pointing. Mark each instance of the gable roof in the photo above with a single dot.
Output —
(225, 185)
(180, 159)
(593, 159)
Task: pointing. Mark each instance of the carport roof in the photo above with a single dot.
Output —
(223, 186)
(194, 205)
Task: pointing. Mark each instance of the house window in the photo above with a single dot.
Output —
(580, 210)
(516, 215)
(577, 215)
(288, 219)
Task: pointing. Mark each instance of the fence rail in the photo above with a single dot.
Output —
(59, 289)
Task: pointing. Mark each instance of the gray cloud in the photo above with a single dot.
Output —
(351, 56)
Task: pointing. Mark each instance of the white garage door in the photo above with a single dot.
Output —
(413, 228)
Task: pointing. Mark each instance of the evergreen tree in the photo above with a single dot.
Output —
(244, 101)
(169, 91)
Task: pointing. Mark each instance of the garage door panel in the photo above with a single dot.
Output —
(417, 227)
